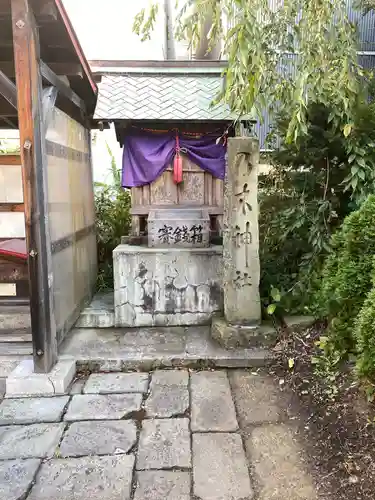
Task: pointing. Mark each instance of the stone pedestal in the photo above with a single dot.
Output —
(241, 270)
(166, 286)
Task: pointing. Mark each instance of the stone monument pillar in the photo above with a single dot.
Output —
(242, 310)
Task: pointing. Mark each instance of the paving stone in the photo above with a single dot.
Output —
(85, 478)
(102, 407)
(112, 383)
(164, 444)
(16, 477)
(278, 463)
(179, 378)
(220, 468)
(256, 397)
(169, 395)
(162, 485)
(32, 410)
(29, 441)
(164, 401)
(212, 407)
(98, 438)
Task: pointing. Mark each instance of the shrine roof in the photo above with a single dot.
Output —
(166, 93)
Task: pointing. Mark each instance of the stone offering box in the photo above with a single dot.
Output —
(178, 227)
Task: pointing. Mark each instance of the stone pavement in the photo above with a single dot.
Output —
(164, 435)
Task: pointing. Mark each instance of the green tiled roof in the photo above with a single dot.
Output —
(160, 96)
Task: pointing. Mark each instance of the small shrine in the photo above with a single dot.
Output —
(192, 254)
(167, 272)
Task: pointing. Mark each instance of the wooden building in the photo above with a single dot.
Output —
(47, 226)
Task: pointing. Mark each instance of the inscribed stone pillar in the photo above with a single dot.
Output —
(241, 234)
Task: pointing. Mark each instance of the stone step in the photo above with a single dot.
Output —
(16, 348)
(123, 349)
(14, 318)
(99, 314)
(18, 335)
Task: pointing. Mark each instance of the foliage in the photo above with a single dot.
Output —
(364, 334)
(347, 276)
(303, 200)
(282, 59)
(367, 5)
(6, 147)
(112, 204)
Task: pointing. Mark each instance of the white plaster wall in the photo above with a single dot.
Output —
(104, 29)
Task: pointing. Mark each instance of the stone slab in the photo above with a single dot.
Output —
(29, 441)
(164, 444)
(24, 382)
(99, 314)
(256, 397)
(212, 407)
(166, 286)
(8, 364)
(163, 485)
(102, 407)
(86, 478)
(170, 378)
(278, 463)
(16, 477)
(98, 438)
(32, 410)
(231, 336)
(151, 348)
(220, 468)
(169, 395)
(112, 383)
(189, 228)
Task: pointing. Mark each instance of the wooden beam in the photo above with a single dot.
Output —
(49, 101)
(8, 90)
(52, 79)
(12, 207)
(61, 69)
(34, 162)
(9, 122)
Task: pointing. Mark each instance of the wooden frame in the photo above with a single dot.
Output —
(32, 140)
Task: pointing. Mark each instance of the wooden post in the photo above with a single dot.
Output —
(32, 142)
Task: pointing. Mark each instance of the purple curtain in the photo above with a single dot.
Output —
(146, 156)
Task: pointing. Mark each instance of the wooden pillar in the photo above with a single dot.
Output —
(32, 143)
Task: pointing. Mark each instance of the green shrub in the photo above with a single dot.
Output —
(347, 275)
(112, 206)
(365, 336)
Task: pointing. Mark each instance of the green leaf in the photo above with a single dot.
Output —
(351, 158)
(271, 309)
(347, 129)
(275, 294)
(361, 162)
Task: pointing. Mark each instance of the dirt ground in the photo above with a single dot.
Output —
(339, 429)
